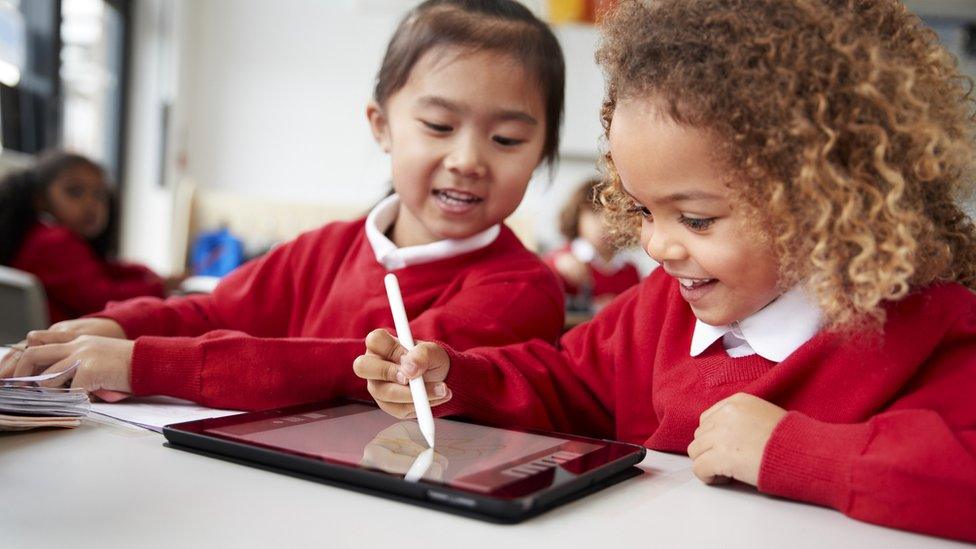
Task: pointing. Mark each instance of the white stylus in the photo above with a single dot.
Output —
(425, 419)
(420, 465)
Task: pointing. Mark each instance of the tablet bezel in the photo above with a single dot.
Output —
(612, 468)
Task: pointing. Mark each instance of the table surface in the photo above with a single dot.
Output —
(112, 485)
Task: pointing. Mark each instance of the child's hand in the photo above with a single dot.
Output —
(388, 367)
(572, 270)
(104, 363)
(83, 326)
(731, 437)
(62, 332)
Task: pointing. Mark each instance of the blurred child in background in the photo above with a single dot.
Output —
(56, 223)
(589, 265)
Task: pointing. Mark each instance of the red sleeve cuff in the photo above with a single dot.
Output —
(465, 390)
(169, 366)
(810, 460)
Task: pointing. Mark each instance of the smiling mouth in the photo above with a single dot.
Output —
(692, 283)
(457, 198)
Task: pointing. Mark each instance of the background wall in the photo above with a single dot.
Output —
(266, 100)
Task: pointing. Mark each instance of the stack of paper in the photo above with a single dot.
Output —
(24, 405)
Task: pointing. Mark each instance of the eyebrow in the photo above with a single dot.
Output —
(681, 197)
(502, 114)
(689, 196)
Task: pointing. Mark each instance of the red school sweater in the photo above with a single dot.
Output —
(285, 328)
(78, 282)
(881, 426)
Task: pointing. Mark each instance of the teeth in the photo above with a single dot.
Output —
(692, 282)
(457, 197)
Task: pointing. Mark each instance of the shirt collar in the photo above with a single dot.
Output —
(387, 254)
(586, 253)
(773, 332)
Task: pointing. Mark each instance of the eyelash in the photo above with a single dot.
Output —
(501, 140)
(697, 224)
(693, 223)
(507, 141)
(439, 128)
(637, 209)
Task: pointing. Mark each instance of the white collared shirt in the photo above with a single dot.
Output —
(586, 253)
(387, 254)
(773, 332)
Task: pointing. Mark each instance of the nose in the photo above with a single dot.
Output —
(659, 245)
(465, 159)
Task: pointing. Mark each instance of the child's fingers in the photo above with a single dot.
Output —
(376, 368)
(60, 366)
(426, 359)
(37, 358)
(47, 337)
(399, 411)
(9, 360)
(710, 468)
(704, 468)
(698, 447)
(383, 344)
(400, 394)
(386, 392)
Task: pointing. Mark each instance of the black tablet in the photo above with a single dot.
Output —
(495, 474)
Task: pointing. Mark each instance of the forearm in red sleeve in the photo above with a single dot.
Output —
(569, 388)
(905, 469)
(253, 299)
(186, 316)
(233, 370)
(530, 385)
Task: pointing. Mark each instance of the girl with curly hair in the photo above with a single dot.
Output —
(797, 168)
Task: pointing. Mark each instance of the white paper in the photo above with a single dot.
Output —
(155, 412)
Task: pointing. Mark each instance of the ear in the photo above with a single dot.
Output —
(379, 125)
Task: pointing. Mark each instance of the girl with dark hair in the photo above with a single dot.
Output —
(56, 223)
(467, 104)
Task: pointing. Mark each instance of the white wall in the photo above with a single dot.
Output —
(270, 100)
(147, 205)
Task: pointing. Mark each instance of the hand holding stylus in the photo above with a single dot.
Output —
(387, 366)
(418, 391)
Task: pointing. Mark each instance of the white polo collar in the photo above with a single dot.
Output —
(586, 253)
(773, 332)
(387, 254)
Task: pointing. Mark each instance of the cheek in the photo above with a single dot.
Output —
(646, 230)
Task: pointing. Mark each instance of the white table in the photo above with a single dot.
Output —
(105, 485)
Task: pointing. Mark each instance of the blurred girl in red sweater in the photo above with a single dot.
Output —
(55, 224)
(589, 266)
(467, 103)
(795, 168)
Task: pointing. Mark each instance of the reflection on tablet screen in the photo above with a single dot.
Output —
(467, 456)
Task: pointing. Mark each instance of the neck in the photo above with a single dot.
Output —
(605, 255)
(407, 230)
(604, 251)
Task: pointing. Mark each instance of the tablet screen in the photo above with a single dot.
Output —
(471, 457)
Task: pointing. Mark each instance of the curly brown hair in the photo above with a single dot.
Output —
(583, 199)
(849, 128)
